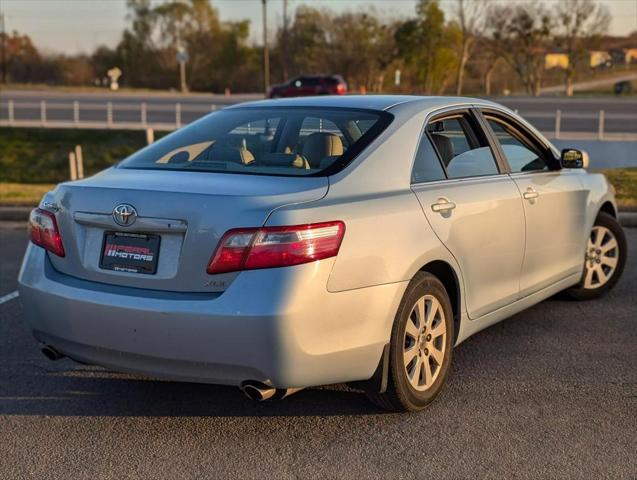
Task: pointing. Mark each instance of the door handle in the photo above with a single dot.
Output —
(443, 205)
(530, 193)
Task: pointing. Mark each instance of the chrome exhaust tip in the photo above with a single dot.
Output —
(260, 392)
(257, 391)
(51, 353)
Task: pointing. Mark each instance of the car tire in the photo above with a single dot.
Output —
(414, 384)
(604, 261)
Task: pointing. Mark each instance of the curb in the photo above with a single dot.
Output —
(21, 214)
(628, 219)
(15, 214)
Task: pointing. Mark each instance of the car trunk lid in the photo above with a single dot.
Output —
(188, 211)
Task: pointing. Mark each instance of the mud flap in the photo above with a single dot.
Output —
(378, 381)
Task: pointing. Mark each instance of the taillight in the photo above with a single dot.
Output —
(44, 231)
(340, 88)
(270, 247)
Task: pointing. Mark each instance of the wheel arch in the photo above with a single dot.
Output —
(449, 278)
(609, 208)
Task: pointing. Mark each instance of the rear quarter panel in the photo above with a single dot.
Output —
(387, 237)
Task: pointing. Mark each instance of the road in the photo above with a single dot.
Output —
(549, 393)
(579, 114)
(592, 84)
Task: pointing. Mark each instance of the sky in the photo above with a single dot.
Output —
(74, 26)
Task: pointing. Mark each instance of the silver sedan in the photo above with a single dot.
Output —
(284, 244)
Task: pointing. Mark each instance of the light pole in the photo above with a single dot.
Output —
(3, 47)
(266, 53)
(285, 40)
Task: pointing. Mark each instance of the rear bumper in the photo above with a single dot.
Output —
(278, 326)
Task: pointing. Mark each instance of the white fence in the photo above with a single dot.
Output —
(94, 115)
(168, 116)
(599, 118)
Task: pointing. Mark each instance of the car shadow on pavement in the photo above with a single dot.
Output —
(68, 389)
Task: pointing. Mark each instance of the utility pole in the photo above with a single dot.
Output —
(3, 49)
(182, 77)
(285, 39)
(266, 53)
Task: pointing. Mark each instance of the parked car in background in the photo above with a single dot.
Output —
(293, 243)
(308, 85)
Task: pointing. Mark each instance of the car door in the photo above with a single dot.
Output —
(473, 207)
(554, 204)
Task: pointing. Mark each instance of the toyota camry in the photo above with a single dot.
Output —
(285, 244)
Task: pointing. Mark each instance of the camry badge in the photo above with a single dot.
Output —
(124, 214)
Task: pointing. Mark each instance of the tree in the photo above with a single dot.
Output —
(363, 62)
(425, 43)
(308, 40)
(358, 45)
(25, 64)
(524, 34)
(490, 44)
(218, 54)
(581, 22)
(470, 16)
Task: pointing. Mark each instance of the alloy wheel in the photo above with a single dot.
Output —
(424, 342)
(602, 255)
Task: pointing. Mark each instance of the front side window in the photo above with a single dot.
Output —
(288, 141)
(461, 147)
(520, 154)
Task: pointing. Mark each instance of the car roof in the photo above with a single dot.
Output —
(373, 102)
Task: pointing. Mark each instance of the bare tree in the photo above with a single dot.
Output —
(523, 37)
(491, 44)
(580, 22)
(470, 15)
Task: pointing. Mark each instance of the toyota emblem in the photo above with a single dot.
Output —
(124, 214)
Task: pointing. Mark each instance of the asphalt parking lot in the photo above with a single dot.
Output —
(549, 393)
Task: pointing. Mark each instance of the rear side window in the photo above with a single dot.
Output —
(461, 147)
(427, 166)
(290, 141)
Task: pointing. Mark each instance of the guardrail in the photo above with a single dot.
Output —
(599, 117)
(170, 116)
(93, 115)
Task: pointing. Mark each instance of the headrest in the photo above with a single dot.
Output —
(319, 145)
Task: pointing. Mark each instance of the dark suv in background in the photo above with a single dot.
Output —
(307, 85)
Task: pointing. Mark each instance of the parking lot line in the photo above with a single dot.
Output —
(9, 296)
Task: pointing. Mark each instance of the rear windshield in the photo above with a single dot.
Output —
(288, 141)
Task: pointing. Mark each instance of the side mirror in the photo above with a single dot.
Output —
(572, 158)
